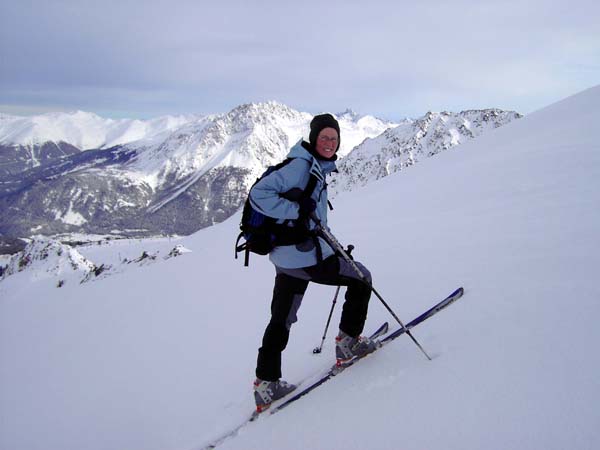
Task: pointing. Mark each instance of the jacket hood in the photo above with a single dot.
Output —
(300, 151)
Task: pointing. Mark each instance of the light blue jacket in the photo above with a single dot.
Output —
(264, 197)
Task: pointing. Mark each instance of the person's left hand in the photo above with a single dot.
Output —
(307, 206)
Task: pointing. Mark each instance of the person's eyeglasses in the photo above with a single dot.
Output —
(333, 140)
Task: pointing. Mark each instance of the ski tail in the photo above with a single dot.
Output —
(383, 329)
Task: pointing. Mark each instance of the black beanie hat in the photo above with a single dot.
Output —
(318, 123)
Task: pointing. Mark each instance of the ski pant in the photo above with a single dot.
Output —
(290, 285)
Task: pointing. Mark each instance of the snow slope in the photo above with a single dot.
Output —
(162, 357)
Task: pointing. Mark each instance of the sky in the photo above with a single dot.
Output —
(392, 59)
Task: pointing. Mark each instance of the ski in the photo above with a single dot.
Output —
(386, 340)
(383, 329)
(426, 315)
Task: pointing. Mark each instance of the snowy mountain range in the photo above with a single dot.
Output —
(162, 356)
(84, 130)
(411, 141)
(78, 173)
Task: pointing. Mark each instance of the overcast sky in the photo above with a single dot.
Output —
(394, 59)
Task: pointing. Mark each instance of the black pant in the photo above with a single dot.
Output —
(290, 285)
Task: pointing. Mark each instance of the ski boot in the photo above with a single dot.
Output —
(266, 392)
(348, 348)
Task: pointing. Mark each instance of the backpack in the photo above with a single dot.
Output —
(262, 233)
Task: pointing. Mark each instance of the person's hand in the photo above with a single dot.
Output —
(307, 206)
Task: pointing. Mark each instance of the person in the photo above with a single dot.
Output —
(311, 260)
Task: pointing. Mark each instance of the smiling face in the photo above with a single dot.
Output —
(327, 143)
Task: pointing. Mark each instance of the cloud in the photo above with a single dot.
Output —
(380, 57)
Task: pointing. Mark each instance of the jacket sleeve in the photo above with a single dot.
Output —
(265, 195)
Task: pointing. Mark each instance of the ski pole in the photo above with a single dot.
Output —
(337, 291)
(320, 347)
(330, 238)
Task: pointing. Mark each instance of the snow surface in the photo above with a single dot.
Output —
(163, 357)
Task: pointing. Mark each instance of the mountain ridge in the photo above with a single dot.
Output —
(402, 146)
(172, 183)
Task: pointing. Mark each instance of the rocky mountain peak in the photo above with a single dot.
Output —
(411, 141)
(48, 258)
(262, 113)
(197, 172)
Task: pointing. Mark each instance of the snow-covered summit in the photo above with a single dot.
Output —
(84, 130)
(56, 263)
(413, 140)
(250, 137)
(45, 258)
(349, 114)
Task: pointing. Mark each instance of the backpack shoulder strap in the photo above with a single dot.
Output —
(310, 186)
(283, 163)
